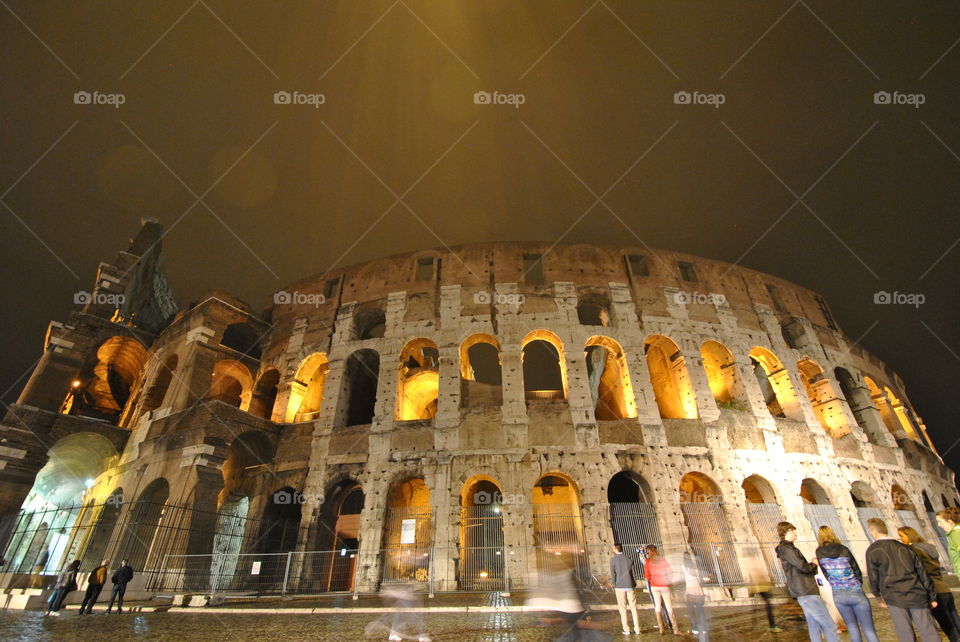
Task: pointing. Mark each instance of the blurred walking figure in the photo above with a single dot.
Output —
(695, 598)
(660, 576)
(36, 580)
(407, 624)
(559, 590)
(846, 579)
(802, 584)
(66, 582)
(624, 582)
(904, 588)
(945, 612)
(949, 520)
(121, 577)
(761, 586)
(95, 582)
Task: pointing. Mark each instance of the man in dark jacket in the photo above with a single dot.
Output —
(899, 581)
(802, 584)
(95, 582)
(120, 578)
(621, 576)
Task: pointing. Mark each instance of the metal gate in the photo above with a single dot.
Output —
(408, 536)
(558, 533)
(634, 525)
(825, 515)
(764, 519)
(942, 543)
(864, 513)
(712, 542)
(481, 548)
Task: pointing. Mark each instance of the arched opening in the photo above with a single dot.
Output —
(369, 323)
(105, 517)
(774, 380)
(764, 512)
(882, 403)
(594, 309)
(408, 532)
(59, 502)
(867, 504)
(358, 397)
(231, 383)
(826, 405)
(265, 394)
(899, 410)
(105, 383)
(819, 509)
(340, 535)
(481, 535)
(941, 537)
(633, 519)
(280, 526)
(544, 374)
(418, 381)
(161, 383)
(609, 380)
(859, 401)
(708, 531)
(558, 526)
(481, 377)
(306, 390)
(723, 376)
(242, 338)
(671, 381)
(147, 533)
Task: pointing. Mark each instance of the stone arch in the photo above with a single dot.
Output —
(339, 533)
(633, 517)
(247, 452)
(558, 525)
(708, 530)
(157, 391)
(243, 338)
(106, 382)
(482, 552)
(672, 387)
(859, 402)
(265, 393)
(775, 384)
(764, 513)
(358, 395)
(609, 379)
(231, 383)
(723, 375)
(900, 499)
(879, 398)
(107, 516)
(418, 380)
(281, 521)
(407, 531)
(826, 405)
(819, 509)
(481, 371)
(306, 390)
(544, 366)
(145, 534)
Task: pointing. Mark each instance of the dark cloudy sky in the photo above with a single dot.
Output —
(256, 194)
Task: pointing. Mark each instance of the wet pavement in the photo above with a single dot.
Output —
(728, 624)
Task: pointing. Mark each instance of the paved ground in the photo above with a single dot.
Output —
(728, 624)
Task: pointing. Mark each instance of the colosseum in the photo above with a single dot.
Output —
(454, 418)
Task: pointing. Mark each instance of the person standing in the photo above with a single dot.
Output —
(66, 582)
(946, 611)
(121, 577)
(695, 598)
(949, 520)
(95, 582)
(802, 584)
(760, 585)
(846, 579)
(624, 582)
(903, 587)
(660, 576)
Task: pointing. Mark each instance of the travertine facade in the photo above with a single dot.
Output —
(693, 374)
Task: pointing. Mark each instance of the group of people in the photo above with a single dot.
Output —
(67, 583)
(904, 573)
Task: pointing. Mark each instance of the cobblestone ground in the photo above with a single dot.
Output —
(728, 624)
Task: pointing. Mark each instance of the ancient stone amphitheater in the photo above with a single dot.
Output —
(456, 418)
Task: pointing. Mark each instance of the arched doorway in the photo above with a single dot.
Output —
(708, 531)
(633, 519)
(146, 531)
(105, 520)
(819, 509)
(764, 513)
(408, 532)
(775, 385)
(339, 537)
(867, 504)
(481, 376)
(907, 512)
(482, 553)
(357, 404)
(418, 381)
(672, 387)
(609, 379)
(544, 371)
(558, 526)
(723, 376)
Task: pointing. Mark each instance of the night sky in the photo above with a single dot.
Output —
(799, 173)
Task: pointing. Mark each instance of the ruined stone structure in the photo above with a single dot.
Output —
(467, 406)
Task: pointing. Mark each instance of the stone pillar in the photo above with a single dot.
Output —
(706, 405)
(580, 399)
(756, 403)
(445, 524)
(517, 524)
(447, 420)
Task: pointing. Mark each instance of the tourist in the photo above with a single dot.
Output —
(802, 584)
(66, 582)
(949, 520)
(660, 576)
(760, 585)
(36, 581)
(695, 598)
(121, 577)
(846, 580)
(946, 611)
(902, 586)
(95, 582)
(624, 582)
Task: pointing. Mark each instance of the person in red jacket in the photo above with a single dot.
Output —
(660, 576)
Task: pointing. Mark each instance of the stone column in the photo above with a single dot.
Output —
(706, 405)
(445, 524)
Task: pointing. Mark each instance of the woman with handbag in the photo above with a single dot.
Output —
(66, 582)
